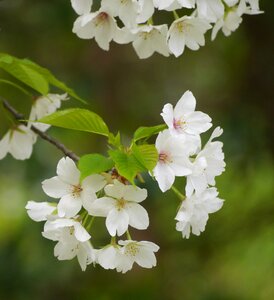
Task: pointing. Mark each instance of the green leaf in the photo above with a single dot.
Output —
(77, 119)
(146, 132)
(52, 79)
(115, 140)
(147, 155)
(24, 73)
(4, 81)
(126, 164)
(94, 164)
(33, 75)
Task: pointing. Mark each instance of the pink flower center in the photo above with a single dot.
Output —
(179, 124)
(164, 157)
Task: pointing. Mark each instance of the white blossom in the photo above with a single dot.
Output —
(18, 142)
(140, 252)
(183, 118)
(172, 159)
(109, 257)
(121, 208)
(40, 211)
(149, 39)
(73, 193)
(187, 31)
(72, 240)
(99, 25)
(193, 213)
(208, 164)
(43, 106)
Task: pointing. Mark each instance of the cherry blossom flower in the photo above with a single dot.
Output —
(193, 213)
(150, 39)
(208, 164)
(99, 25)
(121, 208)
(183, 118)
(43, 106)
(40, 211)
(172, 159)
(210, 10)
(73, 240)
(18, 142)
(140, 252)
(73, 193)
(187, 31)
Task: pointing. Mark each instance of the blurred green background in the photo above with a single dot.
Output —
(232, 79)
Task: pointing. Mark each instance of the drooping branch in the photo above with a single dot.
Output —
(20, 118)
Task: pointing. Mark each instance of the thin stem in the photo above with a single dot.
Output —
(113, 241)
(85, 218)
(175, 14)
(20, 118)
(90, 223)
(128, 235)
(178, 193)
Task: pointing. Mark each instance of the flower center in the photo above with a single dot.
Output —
(76, 190)
(132, 249)
(179, 124)
(101, 18)
(183, 27)
(164, 158)
(121, 203)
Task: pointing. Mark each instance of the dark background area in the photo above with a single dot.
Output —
(232, 79)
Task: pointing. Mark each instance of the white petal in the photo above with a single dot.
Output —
(102, 206)
(107, 257)
(115, 190)
(117, 221)
(67, 171)
(80, 233)
(186, 104)
(55, 188)
(94, 183)
(164, 176)
(38, 211)
(146, 258)
(81, 6)
(134, 193)
(4, 145)
(138, 216)
(69, 206)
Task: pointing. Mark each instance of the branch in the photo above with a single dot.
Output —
(20, 117)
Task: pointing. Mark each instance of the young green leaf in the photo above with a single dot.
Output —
(147, 155)
(126, 164)
(33, 75)
(94, 164)
(146, 132)
(24, 73)
(77, 119)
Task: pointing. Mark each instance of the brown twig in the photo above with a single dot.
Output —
(21, 118)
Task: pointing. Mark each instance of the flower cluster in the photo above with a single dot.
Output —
(80, 201)
(135, 21)
(181, 154)
(82, 198)
(19, 140)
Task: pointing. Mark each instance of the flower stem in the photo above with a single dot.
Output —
(90, 223)
(178, 193)
(175, 14)
(128, 235)
(113, 241)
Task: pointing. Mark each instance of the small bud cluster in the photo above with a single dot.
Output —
(136, 22)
